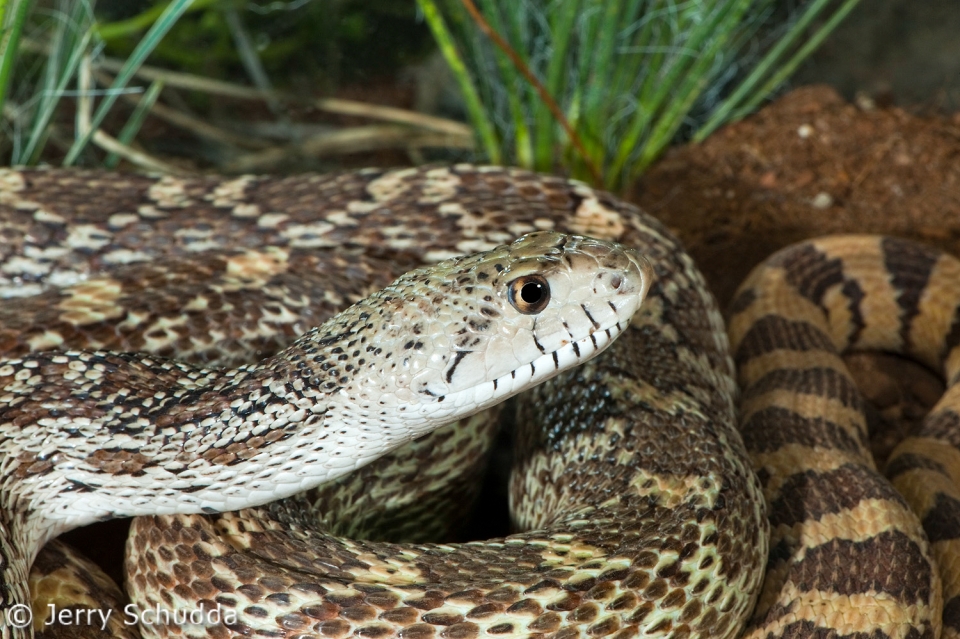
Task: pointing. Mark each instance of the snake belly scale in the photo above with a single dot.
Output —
(644, 517)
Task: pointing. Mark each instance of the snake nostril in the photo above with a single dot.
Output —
(616, 281)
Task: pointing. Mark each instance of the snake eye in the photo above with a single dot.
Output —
(529, 294)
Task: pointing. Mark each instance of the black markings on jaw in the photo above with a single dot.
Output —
(589, 316)
(539, 345)
(456, 362)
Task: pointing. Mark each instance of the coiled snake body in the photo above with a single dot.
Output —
(644, 516)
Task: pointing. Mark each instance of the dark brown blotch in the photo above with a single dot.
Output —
(942, 521)
(466, 630)
(417, 631)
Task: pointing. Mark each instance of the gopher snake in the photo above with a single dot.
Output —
(644, 518)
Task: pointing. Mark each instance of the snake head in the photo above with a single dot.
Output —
(446, 341)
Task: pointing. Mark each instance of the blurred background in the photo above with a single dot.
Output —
(233, 86)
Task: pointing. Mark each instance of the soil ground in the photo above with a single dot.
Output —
(809, 164)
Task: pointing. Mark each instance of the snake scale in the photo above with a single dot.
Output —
(643, 506)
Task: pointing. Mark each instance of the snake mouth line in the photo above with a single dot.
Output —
(444, 408)
(541, 369)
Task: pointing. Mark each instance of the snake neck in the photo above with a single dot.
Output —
(199, 440)
(88, 436)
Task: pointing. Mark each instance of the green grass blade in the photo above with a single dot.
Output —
(475, 108)
(699, 42)
(747, 89)
(167, 19)
(630, 74)
(51, 98)
(688, 91)
(790, 66)
(132, 127)
(658, 41)
(143, 20)
(596, 102)
(12, 18)
(628, 63)
(561, 27)
(48, 96)
(515, 83)
(67, 46)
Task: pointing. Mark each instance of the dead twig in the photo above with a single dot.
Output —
(193, 124)
(352, 140)
(393, 114)
(331, 105)
(112, 145)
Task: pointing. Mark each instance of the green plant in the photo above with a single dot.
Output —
(60, 58)
(627, 75)
(69, 41)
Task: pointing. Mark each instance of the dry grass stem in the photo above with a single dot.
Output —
(84, 98)
(187, 81)
(330, 105)
(352, 140)
(111, 145)
(393, 114)
(193, 124)
(205, 129)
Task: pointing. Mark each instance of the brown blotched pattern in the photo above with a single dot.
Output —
(73, 598)
(848, 557)
(644, 517)
(614, 550)
(926, 470)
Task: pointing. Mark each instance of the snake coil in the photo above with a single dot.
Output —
(644, 514)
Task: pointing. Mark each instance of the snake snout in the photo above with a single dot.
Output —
(626, 280)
